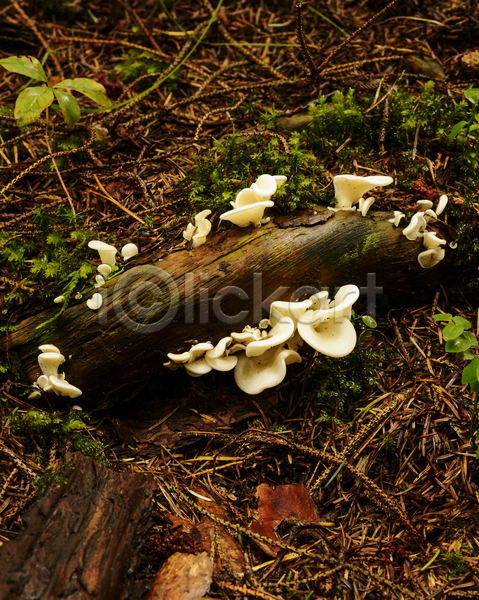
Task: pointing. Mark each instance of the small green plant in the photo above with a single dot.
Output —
(455, 563)
(472, 96)
(32, 101)
(51, 477)
(459, 341)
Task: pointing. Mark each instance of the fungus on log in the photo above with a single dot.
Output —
(203, 295)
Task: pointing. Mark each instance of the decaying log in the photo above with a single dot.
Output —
(82, 539)
(188, 295)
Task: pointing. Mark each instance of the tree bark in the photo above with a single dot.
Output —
(82, 539)
(204, 294)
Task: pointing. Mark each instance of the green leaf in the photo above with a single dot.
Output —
(444, 317)
(472, 95)
(369, 321)
(452, 331)
(31, 67)
(471, 372)
(464, 323)
(455, 130)
(94, 90)
(30, 103)
(461, 343)
(466, 355)
(68, 106)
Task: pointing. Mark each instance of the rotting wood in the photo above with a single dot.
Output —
(83, 538)
(202, 295)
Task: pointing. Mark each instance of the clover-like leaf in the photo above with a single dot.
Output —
(24, 65)
(464, 323)
(452, 331)
(30, 103)
(68, 105)
(442, 317)
(470, 375)
(461, 343)
(472, 95)
(94, 90)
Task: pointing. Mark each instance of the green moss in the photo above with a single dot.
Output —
(41, 430)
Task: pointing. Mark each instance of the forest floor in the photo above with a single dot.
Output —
(357, 477)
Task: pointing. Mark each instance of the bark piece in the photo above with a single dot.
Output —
(193, 295)
(82, 539)
(182, 577)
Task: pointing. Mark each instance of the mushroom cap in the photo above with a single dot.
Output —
(59, 299)
(248, 335)
(199, 230)
(443, 200)
(257, 373)
(129, 250)
(332, 338)
(189, 231)
(280, 333)
(100, 280)
(245, 197)
(222, 363)
(398, 215)
(430, 240)
(340, 307)
(49, 348)
(95, 301)
(197, 368)
(365, 205)
(280, 180)
(49, 362)
(430, 258)
(348, 189)
(250, 214)
(198, 240)
(264, 187)
(43, 383)
(415, 228)
(425, 204)
(320, 301)
(199, 350)
(63, 388)
(278, 310)
(106, 251)
(104, 270)
(179, 358)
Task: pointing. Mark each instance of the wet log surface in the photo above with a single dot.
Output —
(203, 294)
(82, 539)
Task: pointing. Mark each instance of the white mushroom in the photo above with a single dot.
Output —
(255, 374)
(430, 258)
(218, 359)
(430, 240)
(264, 187)
(63, 388)
(129, 251)
(244, 197)
(443, 200)
(294, 310)
(197, 233)
(424, 204)
(365, 205)
(95, 302)
(250, 214)
(348, 189)
(280, 180)
(100, 280)
(104, 270)
(416, 227)
(106, 252)
(398, 215)
(430, 216)
(197, 368)
(331, 331)
(35, 395)
(59, 299)
(49, 363)
(280, 333)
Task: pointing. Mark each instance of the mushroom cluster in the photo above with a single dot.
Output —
(50, 380)
(250, 203)
(417, 229)
(260, 355)
(349, 189)
(197, 233)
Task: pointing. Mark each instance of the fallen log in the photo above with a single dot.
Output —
(83, 538)
(203, 294)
